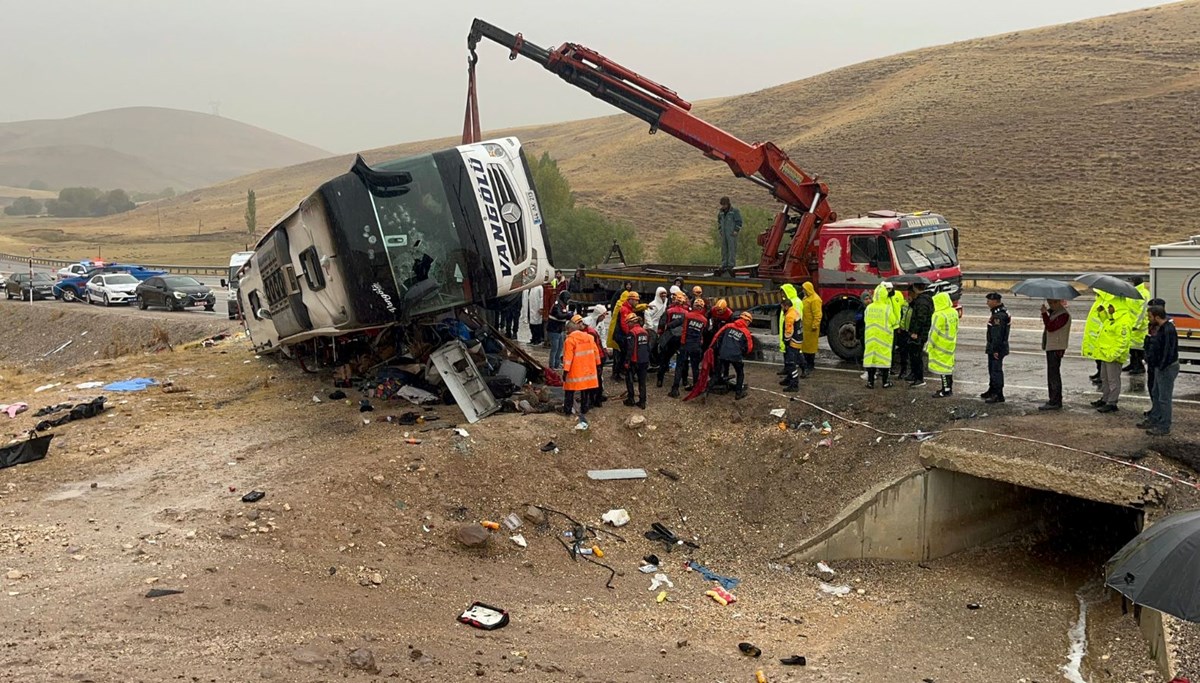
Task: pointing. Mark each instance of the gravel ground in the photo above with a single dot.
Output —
(354, 546)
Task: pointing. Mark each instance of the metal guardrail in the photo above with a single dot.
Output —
(176, 269)
(973, 276)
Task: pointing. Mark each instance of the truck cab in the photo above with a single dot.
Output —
(1175, 278)
(854, 255)
(236, 261)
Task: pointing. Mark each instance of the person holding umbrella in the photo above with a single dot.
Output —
(1056, 337)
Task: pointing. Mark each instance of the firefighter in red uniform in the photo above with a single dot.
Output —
(691, 348)
(670, 328)
(637, 360)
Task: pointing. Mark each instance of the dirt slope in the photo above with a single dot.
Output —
(1074, 144)
(141, 148)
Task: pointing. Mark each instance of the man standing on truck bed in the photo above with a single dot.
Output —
(729, 224)
(918, 332)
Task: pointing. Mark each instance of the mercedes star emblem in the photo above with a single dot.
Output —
(510, 212)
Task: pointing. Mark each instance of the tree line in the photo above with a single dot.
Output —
(74, 202)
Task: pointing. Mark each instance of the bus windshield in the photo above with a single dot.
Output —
(925, 251)
(420, 237)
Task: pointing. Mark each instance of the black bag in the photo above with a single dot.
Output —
(30, 450)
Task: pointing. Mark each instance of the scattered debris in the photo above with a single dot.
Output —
(749, 649)
(648, 568)
(825, 569)
(135, 384)
(635, 422)
(316, 399)
(14, 575)
(835, 590)
(79, 411)
(826, 443)
(669, 474)
(721, 595)
(727, 582)
(779, 412)
(606, 475)
(549, 447)
(534, 515)
(364, 406)
(459, 431)
(22, 452)
(13, 409)
(658, 580)
(89, 385)
(519, 539)
(46, 387)
(617, 517)
(484, 617)
(337, 395)
(973, 605)
(661, 597)
(160, 592)
(511, 521)
(253, 496)
(794, 660)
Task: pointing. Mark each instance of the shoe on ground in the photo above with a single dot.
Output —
(739, 395)
(785, 381)
(1095, 377)
(629, 402)
(870, 385)
(781, 373)
(641, 404)
(791, 389)
(888, 385)
(1050, 406)
(1158, 432)
(659, 384)
(917, 383)
(942, 393)
(1138, 371)
(581, 426)
(994, 398)
(1097, 403)
(986, 394)
(1145, 413)
(1145, 424)
(689, 387)
(674, 392)
(1107, 408)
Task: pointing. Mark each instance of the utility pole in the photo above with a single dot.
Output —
(32, 251)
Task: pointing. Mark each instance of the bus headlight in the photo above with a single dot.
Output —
(495, 151)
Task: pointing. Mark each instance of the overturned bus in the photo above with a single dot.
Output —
(381, 244)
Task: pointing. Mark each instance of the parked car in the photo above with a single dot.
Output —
(79, 269)
(75, 288)
(175, 292)
(4, 278)
(19, 286)
(112, 288)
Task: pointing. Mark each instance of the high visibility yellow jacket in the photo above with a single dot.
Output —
(1093, 325)
(879, 325)
(896, 299)
(793, 329)
(943, 335)
(812, 310)
(612, 328)
(1141, 319)
(789, 291)
(1112, 344)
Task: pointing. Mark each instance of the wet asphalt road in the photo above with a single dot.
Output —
(1025, 368)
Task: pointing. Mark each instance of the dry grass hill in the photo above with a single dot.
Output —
(1072, 145)
(141, 148)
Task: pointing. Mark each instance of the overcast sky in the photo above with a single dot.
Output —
(354, 74)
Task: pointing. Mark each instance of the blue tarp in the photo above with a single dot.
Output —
(135, 384)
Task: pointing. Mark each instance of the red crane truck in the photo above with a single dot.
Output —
(806, 242)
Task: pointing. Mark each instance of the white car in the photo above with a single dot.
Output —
(112, 288)
(73, 270)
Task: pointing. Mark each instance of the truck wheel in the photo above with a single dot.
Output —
(843, 337)
(68, 295)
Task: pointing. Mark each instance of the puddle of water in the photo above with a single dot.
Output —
(1077, 635)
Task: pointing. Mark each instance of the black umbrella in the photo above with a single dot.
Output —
(1160, 568)
(1109, 284)
(909, 279)
(1044, 288)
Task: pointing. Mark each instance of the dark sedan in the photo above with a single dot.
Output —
(19, 286)
(175, 292)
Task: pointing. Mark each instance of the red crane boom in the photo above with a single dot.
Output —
(806, 207)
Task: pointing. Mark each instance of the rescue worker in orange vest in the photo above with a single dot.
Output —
(637, 360)
(581, 365)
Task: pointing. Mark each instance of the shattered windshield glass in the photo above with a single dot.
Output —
(421, 239)
(926, 251)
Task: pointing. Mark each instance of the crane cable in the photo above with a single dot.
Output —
(471, 133)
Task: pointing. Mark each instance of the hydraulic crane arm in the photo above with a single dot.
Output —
(804, 196)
